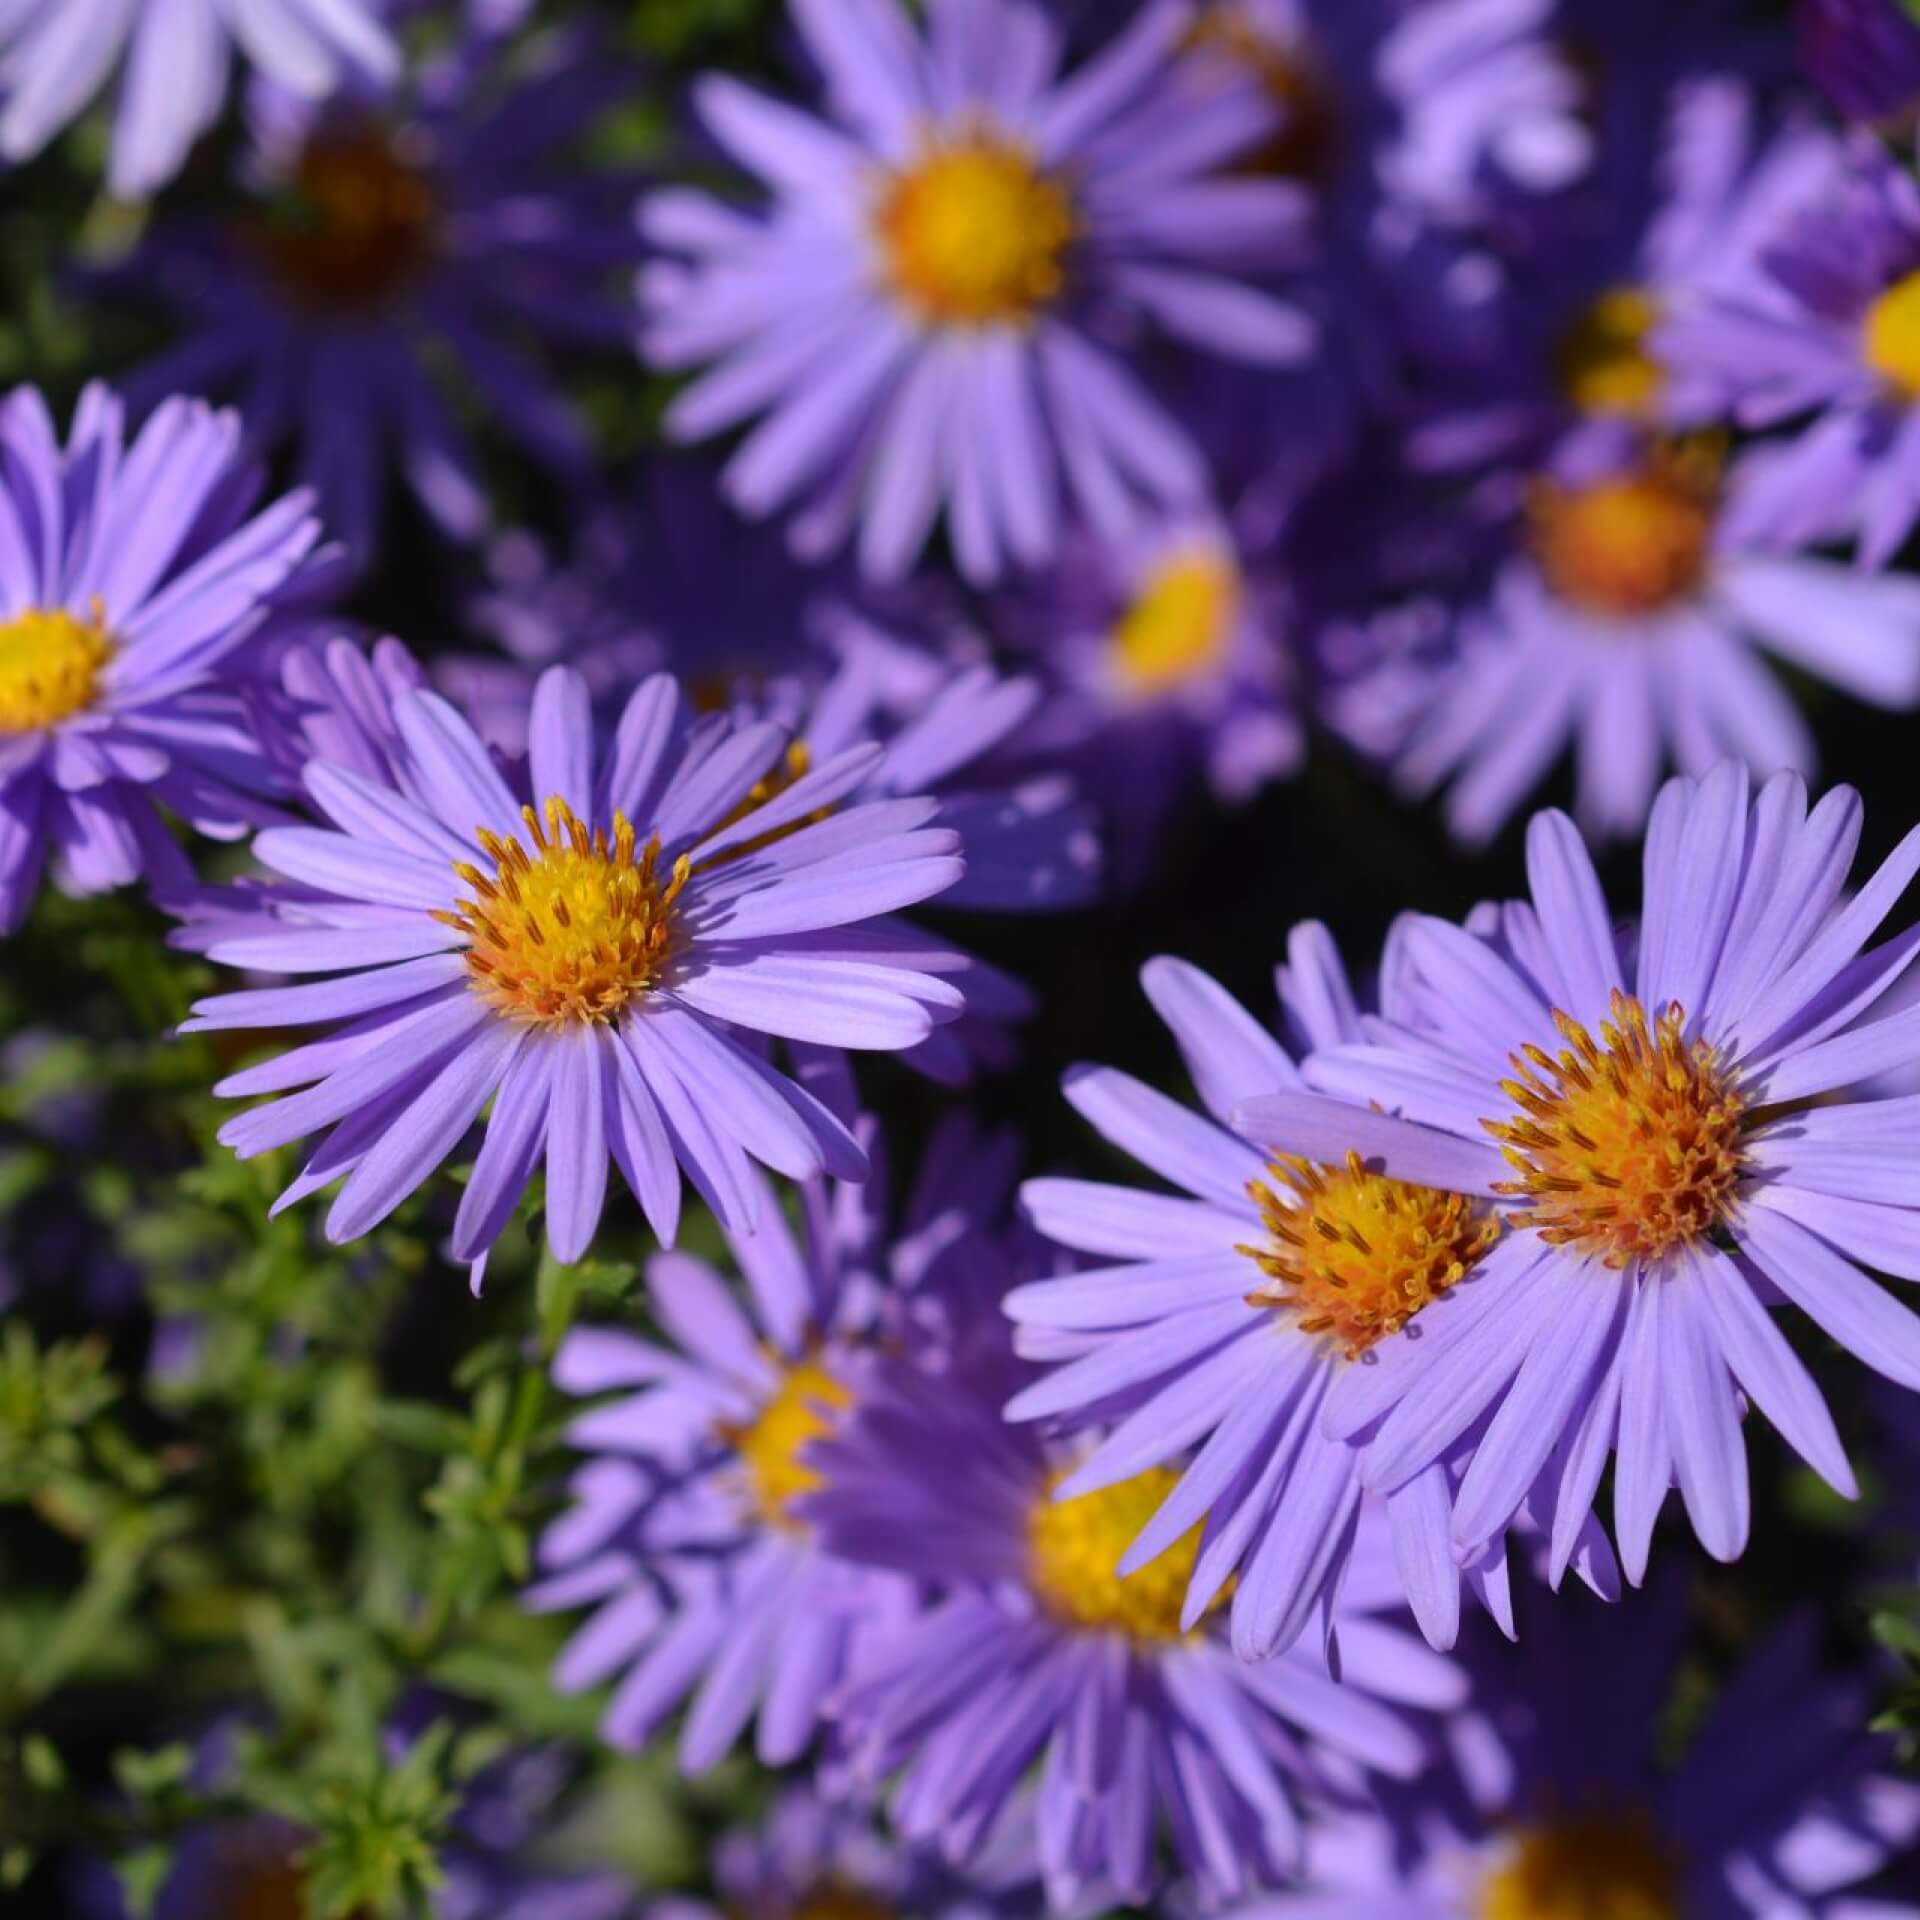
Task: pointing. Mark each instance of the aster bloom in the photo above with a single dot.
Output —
(1829, 344)
(1778, 1803)
(55, 55)
(435, 219)
(687, 1534)
(810, 1858)
(1038, 1653)
(1628, 623)
(1673, 1146)
(583, 949)
(1223, 1320)
(135, 577)
(939, 263)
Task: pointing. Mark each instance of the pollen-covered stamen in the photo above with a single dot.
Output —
(1627, 1146)
(1890, 337)
(1584, 1868)
(1354, 1254)
(1633, 543)
(573, 929)
(1074, 1547)
(974, 234)
(1605, 367)
(50, 664)
(804, 1408)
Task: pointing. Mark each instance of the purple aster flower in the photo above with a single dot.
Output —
(433, 218)
(1829, 340)
(136, 577)
(1226, 1317)
(922, 314)
(1038, 1653)
(810, 1858)
(1864, 55)
(1172, 653)
(687, 1534)
(583, 948)
(55, 55)
(1676, 1146)
(1777, 1803)
(1629, 624)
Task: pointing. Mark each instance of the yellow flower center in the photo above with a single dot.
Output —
(1605, 367)
(1890, 336)
(1308, 139)
(1178, 626)
(1583, 1869)
(358, 225)
(572, 930)
(798, 762)
(802, 1410)
(1355, 1254)
(1629, 545)
(1627, 1146)
(49, 664)
(1075, 1545)
(975, 234)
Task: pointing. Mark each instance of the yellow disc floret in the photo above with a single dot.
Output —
(573, 929)
(1627, 1146)
(49, 666)
(358, 225)
(802, 1410)
(1076, 1545)
(974, 234)
(1583, 1869)
(1605, 367)
(1633, 543)
(1179, 624)
(1355, 1254)
(1890, 337)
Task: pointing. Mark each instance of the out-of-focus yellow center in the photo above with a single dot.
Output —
(49, 664)
(1605, 367)
(1890, 336)
(1355, 1254)
(1633, 543)
(359, 222)
(1583, 1869)
(804, 1409)
(1075, 1545)
(835, 1900)
(573, 929)
(1308, 139)
(1627, 1146)
(1179, 624)
(975, 234)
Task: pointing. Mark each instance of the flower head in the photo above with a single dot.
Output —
(584, 949)
(420, 221)
(55, 55)
(140, 579)
(940, 255)
(1671, 1144)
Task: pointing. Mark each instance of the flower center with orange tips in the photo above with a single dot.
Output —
(359, 223)
(1627, 1146)
(1354, 1254)
(803, 1409)
(974, 234)
(571, 926)
(1605, 367)
(1890, 337)
(1308, 139)
(49, 666)
(1074, 1547)
(1633, 543)
(1179, 623)
(1583, 1869)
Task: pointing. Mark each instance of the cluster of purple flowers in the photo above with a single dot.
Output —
(1140, 402)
